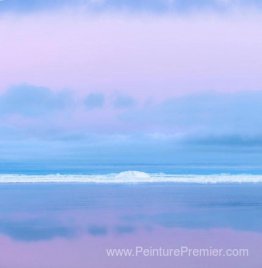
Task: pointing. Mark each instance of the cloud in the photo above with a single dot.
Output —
(134, 5)
(94, 101)
(226, 141)
(211, 128)
(203, 114)
(211, 116)
(123, 102)
(32, 101)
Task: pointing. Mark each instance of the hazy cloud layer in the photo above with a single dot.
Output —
(203, 114)
(123, 102)
(208, 114)
(134, 5)
(94, 100)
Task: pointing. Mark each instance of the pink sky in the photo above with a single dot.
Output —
(178, 75)
(141, 55)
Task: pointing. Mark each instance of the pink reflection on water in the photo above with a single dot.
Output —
(90, 251)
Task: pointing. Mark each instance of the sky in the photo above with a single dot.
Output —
(156, 81)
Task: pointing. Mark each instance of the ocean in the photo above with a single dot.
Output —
(130, 219)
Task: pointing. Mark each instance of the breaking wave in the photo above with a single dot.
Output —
(131, 177)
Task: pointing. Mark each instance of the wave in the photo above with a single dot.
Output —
(131, 177)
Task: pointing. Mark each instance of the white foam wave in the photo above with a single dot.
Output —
(131, 177)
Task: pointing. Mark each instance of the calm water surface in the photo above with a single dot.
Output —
(72, 225)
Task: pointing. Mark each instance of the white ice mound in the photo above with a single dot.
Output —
(132, 176)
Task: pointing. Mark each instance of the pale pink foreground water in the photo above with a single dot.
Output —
(89, 251)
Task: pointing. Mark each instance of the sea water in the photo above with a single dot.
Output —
(75, 221)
